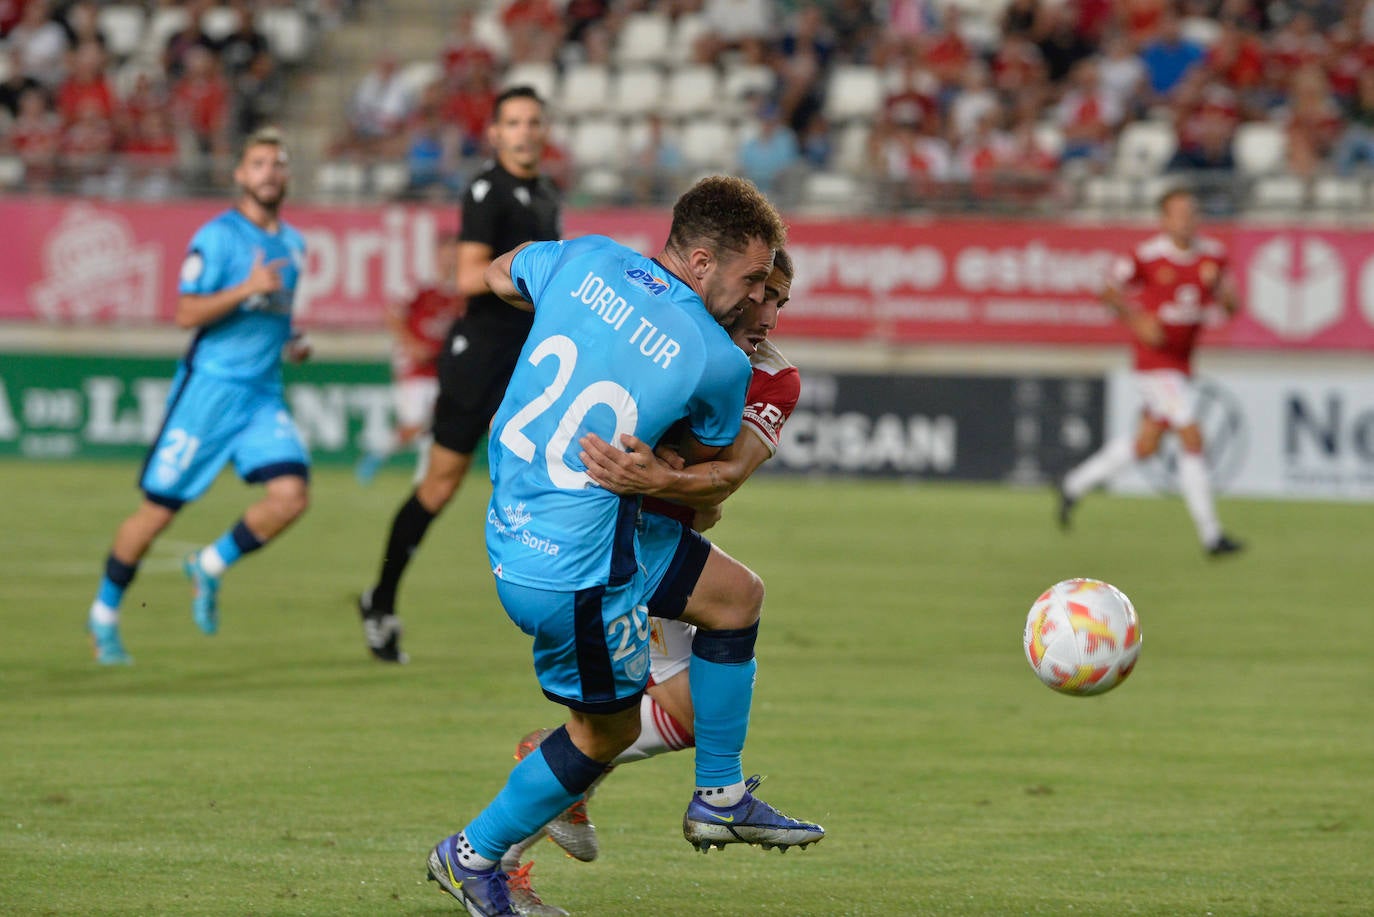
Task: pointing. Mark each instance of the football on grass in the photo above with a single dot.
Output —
(1082, 637)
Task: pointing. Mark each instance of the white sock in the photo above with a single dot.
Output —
(211, 562)
(470, 858)
(1100, 467)
(422, 444)
(1196, 484)
(721, 797)
(659, 733)
(103, 614)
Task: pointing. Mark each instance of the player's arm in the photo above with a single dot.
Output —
(1227, 296)
(473, 260)
(197, 309)
(703, 482)
(499, 281)
(1141, 323)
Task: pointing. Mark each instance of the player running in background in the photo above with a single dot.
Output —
(238, 283)
(418, 329)
(665, 711)
(507, 204)
(1165, 291)
(622, 344)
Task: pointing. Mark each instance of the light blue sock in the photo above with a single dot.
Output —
(118, 576)
(230, 546)
(721, 674)
(543, 784)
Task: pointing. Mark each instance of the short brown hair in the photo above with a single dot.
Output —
(724, 212)
(782, 261)
(1172, 193)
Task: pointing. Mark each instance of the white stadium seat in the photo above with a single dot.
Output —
(219, 22)
(340, 179)
(853, 92)
(389, 179)
(636, 91)
(831, 190)
(1259, 147)
(645, 38)
(692, 90)
(708, 143)
(543, 78)
(1108, 192)
(586, 90)
(287, 32)
(1144, 148)
(1338, 193)
(1278, 192)
(165, 22)
(596, 142)
(11, 171)
(418, 74)
(122, 25)
(686, 31)
(743, 80)
(851, 149)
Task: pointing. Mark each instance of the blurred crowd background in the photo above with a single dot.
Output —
(1005, 106)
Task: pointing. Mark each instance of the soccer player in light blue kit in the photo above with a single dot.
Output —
(621, 344)
(238, 282)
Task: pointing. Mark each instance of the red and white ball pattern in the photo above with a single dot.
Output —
(1082, 637)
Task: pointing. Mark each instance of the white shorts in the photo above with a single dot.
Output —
(670, 648)
(414, 399)
(1169, 396)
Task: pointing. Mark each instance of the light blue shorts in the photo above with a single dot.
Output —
(211, 422)
(591, 647)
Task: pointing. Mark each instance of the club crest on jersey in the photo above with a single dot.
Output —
(1165, 276)
(655, 285)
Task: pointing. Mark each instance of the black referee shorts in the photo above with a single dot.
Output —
(474, 368)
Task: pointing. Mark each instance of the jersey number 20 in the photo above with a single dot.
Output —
(605, 392)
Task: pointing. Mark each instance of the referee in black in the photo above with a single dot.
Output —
(506, 204)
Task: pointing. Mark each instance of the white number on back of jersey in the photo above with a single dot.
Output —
(605, 392)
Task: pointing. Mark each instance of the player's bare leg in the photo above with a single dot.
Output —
(1102, 465)
(286, 499)
(444, 473)
(132, 540)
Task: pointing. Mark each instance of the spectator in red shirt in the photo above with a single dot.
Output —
(463, 52)
(467, 105)
(200, 102)
(35, 135)
(86, 84)
(535, 30)
(1314, 121)
(88, 140)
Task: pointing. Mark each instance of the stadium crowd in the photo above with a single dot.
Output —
(1011, 102)
(134, 98)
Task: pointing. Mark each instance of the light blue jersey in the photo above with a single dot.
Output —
(245, 345)
(618, 346)
(226, 400)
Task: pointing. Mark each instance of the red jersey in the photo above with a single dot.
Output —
(773, 393)
(427, 317)
(1176, 286)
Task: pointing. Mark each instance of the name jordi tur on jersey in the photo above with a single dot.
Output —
(616, 312)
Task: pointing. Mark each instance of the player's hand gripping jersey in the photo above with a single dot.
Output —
(618, 346)
(245, 345)
(1177, 287)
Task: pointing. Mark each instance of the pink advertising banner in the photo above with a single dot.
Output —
(959, 281)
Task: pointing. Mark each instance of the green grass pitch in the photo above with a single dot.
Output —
(276, 770)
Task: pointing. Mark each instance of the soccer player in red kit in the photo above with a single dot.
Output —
(691, 495)
(418, 327)
(1165, 292)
